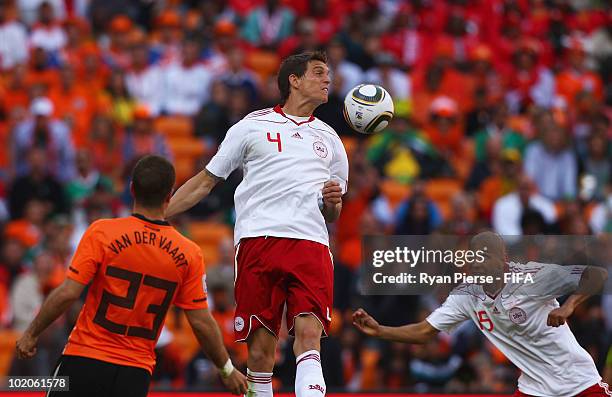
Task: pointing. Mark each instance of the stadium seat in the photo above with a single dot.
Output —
(441, 191)
(209, 235)
(264, 63)
(186, 151)
(8, 337)
(394, 192)
(172, 126)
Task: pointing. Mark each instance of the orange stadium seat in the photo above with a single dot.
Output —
(8, 337)
(209, 235)
(441, 191)
(264, 63)
(174, 126)
(394, 191)
(186, 151)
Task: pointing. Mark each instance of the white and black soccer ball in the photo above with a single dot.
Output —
(368, 108)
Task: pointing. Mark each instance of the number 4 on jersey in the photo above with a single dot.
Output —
(277, 140)
(484, 321)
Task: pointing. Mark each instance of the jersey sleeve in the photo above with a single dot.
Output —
(449, 315)
(192, 292)
(231, 152)
(555, 280)
(87, 257)
(339, 168)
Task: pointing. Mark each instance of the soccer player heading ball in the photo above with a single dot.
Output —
(523, 320)
(295, 173)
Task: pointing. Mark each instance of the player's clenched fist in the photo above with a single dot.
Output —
(236, 382)
(558, 316)
(332, 193)
(26, 346)
(366, 323)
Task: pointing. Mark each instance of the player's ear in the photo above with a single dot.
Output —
(294, 81)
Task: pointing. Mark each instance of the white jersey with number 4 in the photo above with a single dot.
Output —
(285, 161)
(552, 362)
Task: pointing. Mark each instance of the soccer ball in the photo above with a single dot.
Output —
(368, 108)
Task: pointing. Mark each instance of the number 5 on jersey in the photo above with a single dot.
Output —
(277, 141)
(484, 321)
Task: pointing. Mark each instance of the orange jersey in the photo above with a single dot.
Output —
(137, 268)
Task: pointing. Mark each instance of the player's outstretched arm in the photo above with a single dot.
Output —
(591, 282)
(412, 333)
(207, 332)
(192, 192)
(58, 301)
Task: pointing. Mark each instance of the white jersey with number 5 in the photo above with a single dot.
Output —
(552, 362)
(285, 161)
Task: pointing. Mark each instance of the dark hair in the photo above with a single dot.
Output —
(297, 65)
(153, 179)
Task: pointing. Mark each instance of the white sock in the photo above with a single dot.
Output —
(309, 380)
(259, 384)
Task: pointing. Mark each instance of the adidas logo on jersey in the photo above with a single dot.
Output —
(297, 136)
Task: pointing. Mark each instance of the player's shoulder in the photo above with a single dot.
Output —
(529, 267)
(106, 224)
(267, 114)
(321, 125)
(464, 292)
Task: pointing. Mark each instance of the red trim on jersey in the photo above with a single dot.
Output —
(279, 110)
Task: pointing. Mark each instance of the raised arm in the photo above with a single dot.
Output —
(192, 192)
(207, 332)
(412, 333)
(591, 282)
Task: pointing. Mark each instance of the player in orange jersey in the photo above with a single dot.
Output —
(136, 267)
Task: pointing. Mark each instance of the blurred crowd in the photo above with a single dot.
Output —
(502, 121)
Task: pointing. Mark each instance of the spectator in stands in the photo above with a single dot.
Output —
(445, 129)
(45, 132)
(508, 209)
(597, 165)
(498, 127)
(504, 168)
(79, 189)
(145, 82)
(346, 74)
(238, 76)
(460, 222)
(187, 82)
(27, 295)
(118, 98)
(116, 54)
(13, 36)
(73, 103)
(12, 260)
(550, 162)
(387, 75)
(142, 138)
(167, 46)
(38, 184)
(29, 10)
(417, 215)
(530, 82)
(104, 142)
(576, 77)
(47, 33)
(29, 228)
(268, 25)
(212, 121)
